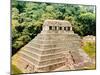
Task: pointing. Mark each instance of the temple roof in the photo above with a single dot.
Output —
(56, 23)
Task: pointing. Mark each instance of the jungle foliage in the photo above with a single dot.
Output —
(28, 18)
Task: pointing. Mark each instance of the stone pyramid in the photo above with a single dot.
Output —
(56, 48)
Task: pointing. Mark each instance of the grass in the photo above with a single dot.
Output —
(90, 49)
(15, 70)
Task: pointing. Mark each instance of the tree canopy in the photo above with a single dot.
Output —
(28, 18)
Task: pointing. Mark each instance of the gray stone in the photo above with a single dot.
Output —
(56, 46)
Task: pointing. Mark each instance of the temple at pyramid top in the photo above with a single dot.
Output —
(57, 25)
(55, 48)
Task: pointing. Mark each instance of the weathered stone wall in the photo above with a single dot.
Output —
(51, 48)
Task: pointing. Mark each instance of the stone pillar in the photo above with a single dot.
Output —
(57, 27)
(46, 28)
(53, 27)
(70, 28)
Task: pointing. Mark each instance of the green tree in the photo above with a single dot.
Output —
(28, 18)
(88, 23)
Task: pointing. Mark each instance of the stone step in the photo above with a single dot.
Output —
(43, 57)
(43, 50)
(59, 36)
(42, 64)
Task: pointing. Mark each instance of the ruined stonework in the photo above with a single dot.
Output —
(56, 48)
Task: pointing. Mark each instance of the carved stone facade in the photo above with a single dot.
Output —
(56, 46)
